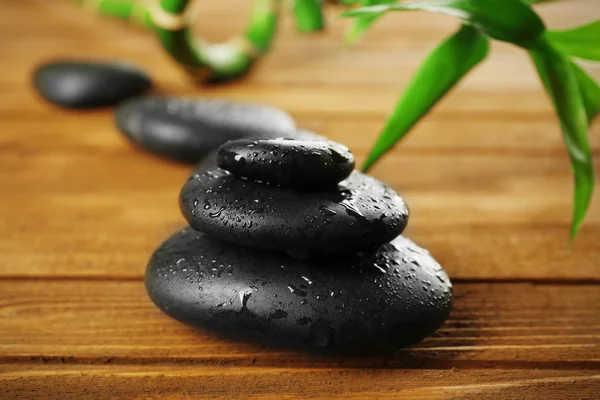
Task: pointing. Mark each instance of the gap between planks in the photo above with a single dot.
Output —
(460, 280)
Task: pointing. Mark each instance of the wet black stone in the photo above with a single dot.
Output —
(312, 165)
(186, 130)
(360, 213)
(209, 161)
(384, 300)
(87, 84)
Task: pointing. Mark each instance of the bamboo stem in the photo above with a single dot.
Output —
(309, 15)
(173, 21)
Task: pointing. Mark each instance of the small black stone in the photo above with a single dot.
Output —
(377, 302)
(360, 213)
(312, 165)
(186, 130)
(87, 84)
(209, 161)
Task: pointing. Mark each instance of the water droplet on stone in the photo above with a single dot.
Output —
(244, 296)
(327, 211)
(240, 159)
(217, 213)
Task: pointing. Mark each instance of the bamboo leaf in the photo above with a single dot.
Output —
(362, 24)
(440, 71)
(308, 15)
(559, 79)
(581, 42)
(358, 29)
(506, 20)
(536, 1)
(590, 91)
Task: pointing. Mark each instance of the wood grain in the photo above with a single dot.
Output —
(486, 176)
(491, 325)
(162, 382)
(82, 339)
(468, 209)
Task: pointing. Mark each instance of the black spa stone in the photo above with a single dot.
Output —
(186, 130)
(312, 165)
(386, 299)
(360, 213)
(88, 84)
(209, 161)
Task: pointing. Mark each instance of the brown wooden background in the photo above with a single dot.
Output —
(486, 176)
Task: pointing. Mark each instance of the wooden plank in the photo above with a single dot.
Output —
(95, 132)
(295, 64)
(97, 207)
(295, 61)
(338, 99)
(90, 205)
(182, 382)
(122, 252)
(492, 326)
(217, 20)
(394, 48)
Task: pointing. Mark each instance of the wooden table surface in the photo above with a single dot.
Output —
(486, 176)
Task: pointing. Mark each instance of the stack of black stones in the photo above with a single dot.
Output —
(289, 246)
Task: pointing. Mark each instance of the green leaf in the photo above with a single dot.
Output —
(581, 42)
(440, 71)
(536, 1)
(308, 15)
(559, 79)
(506, 20)
(590, 91)
(362, 24)
(358, 29)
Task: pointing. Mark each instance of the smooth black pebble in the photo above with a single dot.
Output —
(312, 165)
(389, 299)
(88, 84)
(209, 161)
(186, 129)
(360, 213)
